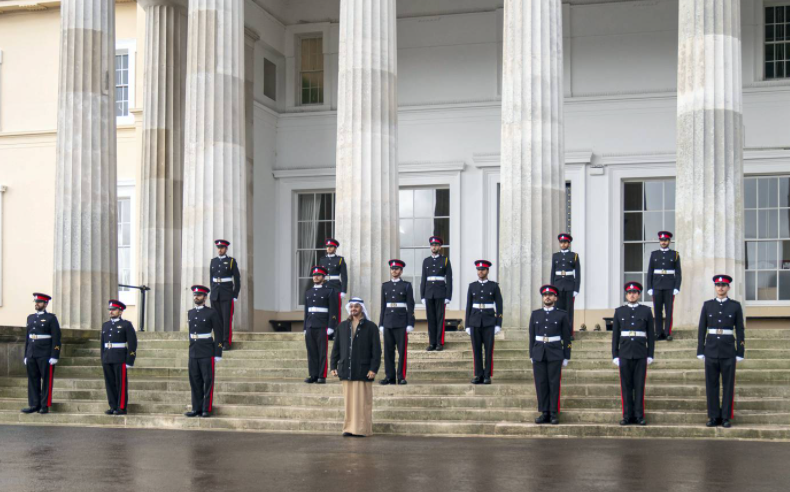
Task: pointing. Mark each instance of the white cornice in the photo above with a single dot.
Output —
(426, 167)
(572, 157)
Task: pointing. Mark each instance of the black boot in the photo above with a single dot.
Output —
(543, 419)
(44, 410)
(31, 409)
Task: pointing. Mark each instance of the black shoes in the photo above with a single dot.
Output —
(555, 419)
(310, 380)
(712, 423)
(205, 415)
(625, 422)
(669, 338)
(320, 381)
(543, 419)
(348, 434)
(44, 410)
(430, 348)
(119, 412)
(439, 348)
(726, 423)
(385, 382)
(192, 414)
(109, 412)
(30, 409)
(487, 381)
(641, 421)
(402, 381)
(477, 380)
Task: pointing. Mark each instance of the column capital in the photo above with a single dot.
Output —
(163, 3)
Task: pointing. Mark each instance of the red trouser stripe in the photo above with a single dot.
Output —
(444, 314)
(671, 316)
(405, 354)
(211, 392)
(122, 406)
(51, 378)
(326, 350)
(230, 323)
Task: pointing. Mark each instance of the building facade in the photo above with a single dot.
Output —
(619, 107)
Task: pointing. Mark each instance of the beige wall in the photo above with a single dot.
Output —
(28, 121)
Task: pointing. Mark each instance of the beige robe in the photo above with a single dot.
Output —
(358, 397)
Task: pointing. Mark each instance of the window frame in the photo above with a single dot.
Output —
(130, 47)
(293, 36)
(126, 191)
(322, 89)
(762, 44)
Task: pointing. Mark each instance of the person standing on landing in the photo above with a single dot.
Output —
(436, 291)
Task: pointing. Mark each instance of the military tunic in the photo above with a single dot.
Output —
(549, 345)
(436, 287)
(483, 315)
(205, 329)
(118, 349)
(664, 275)
(41, 344)
(566, 275)
(225, 287)
(337, 274)
(633, 342)
(320, 313)
(397, 313)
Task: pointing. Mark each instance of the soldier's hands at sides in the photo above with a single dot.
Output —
(52, 362)
(675, 292)
(305, 332)
(531, 361)
(128, 366)
(616, 361)
(497, 329)
(334, 372)
(25, 360)
(649, 360)
(565, 363)
(329, 331)
(447, 301)
(575, 293)
(342, 295)
(217, 359)
(423, 302)
(409, 329)
(650, 292)
(235, 299)
(701, 357)
(468, 331)
(381, 330)
(738, 359)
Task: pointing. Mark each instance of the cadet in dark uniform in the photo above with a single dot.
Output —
(566, 274)
(42, 351)
(336, 272)
(549, 352)
(396, 322)
(663, 283)
(633, 343)
(436, 291)
(320, 321)
(205, 351)
(483, 321)
(118, 351)
(721, 345)
(225, 286)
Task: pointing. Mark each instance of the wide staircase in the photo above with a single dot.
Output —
(259, 388)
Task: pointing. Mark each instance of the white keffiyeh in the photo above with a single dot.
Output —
(357, 300)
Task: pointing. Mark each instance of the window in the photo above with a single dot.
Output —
(777, 42)
(648, 207)
(767, 224)
(122, 83)
(424, 212)
(568, 208)
(314, 223)
(269, 79)
(124, 242)
(311, 71)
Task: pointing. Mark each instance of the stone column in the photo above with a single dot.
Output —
(215, 187)
(86, 216)
(366, 213)
(709, 203)
(162, 173)
(532, 205)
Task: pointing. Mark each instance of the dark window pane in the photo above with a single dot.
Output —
(751, 286)
(751, 224)
(654, 195)
(769, 52)
(751, 255)
(766, 286)
(306, 261)
(779, 34)
(669, 195)
(269, 79)
(769, 33)
(305, 96)
(441, 228)
(780, 15)
(648, 250)
(784, 286)
(750, 193)
(327, 211)
(780, 52)
(442, 203)
(324, 231)
(632, 196)
(780, 71)
(784, 258)
(633, 257)
(769, 70)
(769, 15)
(632, 226)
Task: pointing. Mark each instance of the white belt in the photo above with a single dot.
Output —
(634, 333)
(219, 280)
(435, 279)
(547, 339)
(484, 306)
(317, 310)
(716, 331)
(397, 305)
(333, 277)
(664, 272)
(114, 345)
(565, 273)
(40, 337)
(195, 336)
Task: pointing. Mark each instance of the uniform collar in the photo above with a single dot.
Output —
(563, 251)
(43, 311)
(548, 310)
(317, 286)
(222, 257)
(435, 256)
(199, 307)
(395, 280)
(663, 250)
(329, 256)
(483, 281)
(113, 321)
(632, 305)
(722, 301)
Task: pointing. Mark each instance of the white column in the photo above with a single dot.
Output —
(215, 187)
(86, 218)
(367, 136)
(162, 174)
(532, 206)
(709, 203)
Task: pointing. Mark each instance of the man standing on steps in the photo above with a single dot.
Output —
(549, 352)
(205, 350)
(336, 272)
(483, 321)
(566, 273)
(436, 291)
(663, 283)
(633, 343)
(396, 322)
(721, 345)
(320, 321)
(118, 350)
(42, 351)
(225, 287)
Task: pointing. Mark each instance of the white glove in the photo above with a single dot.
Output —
(447, 301)
(423, 302)
(217, 359)
(531, 361)
(575, 293)
(52, 362)
(409, 329)
(675, 292)
(235, 299)
(565, 363)
(650, 291)
(468, 331)
(329, 331)
(701, 357)
(128, 366)
(305, 332)
(738, 359)
(497, 329)
(649, 360)
(25, 360)
(616, 361)
(342, 295)
(381, 330)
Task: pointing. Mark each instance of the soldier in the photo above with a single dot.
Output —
(549, 352)
(205, 351)
(483, 321)
(337, 274)
(721, 345)
(396, 322)
(320, 321)
(118, 351)
(436, 291)
(225, 286)
(42, 351)
(663, 283)
(566, 273)
(633, 343)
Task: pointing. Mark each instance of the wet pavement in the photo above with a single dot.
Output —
(100, 459)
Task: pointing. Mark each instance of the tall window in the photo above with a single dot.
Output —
(648, 207)
(777, 42)
(767, 223)
(568, 208)
(124, 242)
(311, 71)
(269, 79)
(424, 212)
(122, 83)
(315, 222)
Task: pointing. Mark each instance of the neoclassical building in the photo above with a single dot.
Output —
(133, 134)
